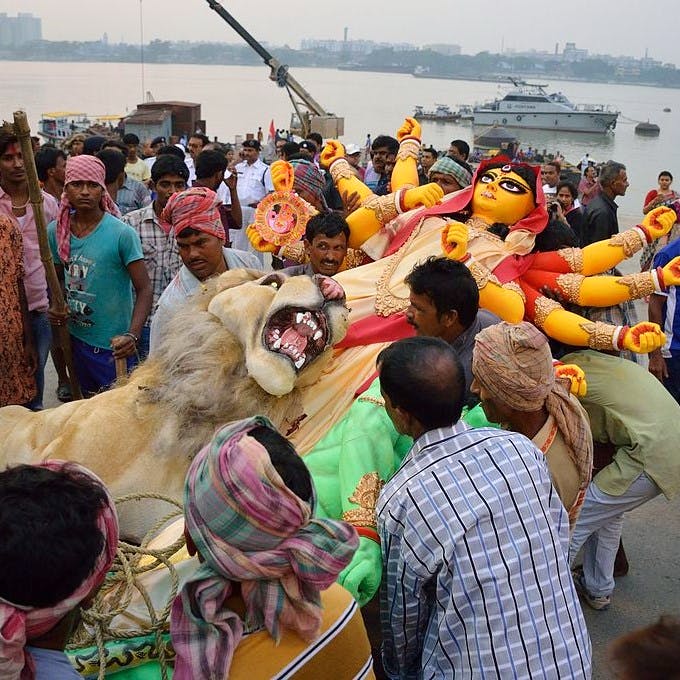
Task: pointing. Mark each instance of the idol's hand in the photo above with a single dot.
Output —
(258, 242)
(644, 337)
(283, 175)
(455, 240)
(332, 151)
(576, 377)
(362, 575)
(424, 196)
(410, 128)
(671, 272)
(658, 222)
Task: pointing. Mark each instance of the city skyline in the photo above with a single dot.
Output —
(521, 27)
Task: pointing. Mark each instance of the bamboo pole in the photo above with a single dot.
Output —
(23, 132)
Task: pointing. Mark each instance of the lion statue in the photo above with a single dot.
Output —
(245, 345)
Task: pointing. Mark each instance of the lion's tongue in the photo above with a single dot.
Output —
(295, 339)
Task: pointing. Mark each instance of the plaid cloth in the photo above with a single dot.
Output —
(80, 169)
(161, 255)
(19, 623)
(196, 208)
(252, 530)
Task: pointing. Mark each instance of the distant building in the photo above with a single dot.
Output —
(19, 30)
(572, 53)
(354, 47)
(441, 48)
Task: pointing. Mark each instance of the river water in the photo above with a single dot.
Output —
(238, 99)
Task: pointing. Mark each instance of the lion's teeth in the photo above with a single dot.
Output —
(318, 334)
(298, 317)
(300, 361)
(277, 344)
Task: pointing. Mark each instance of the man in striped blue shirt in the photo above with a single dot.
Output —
(474, 539)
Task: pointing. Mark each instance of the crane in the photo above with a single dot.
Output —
(314, 118)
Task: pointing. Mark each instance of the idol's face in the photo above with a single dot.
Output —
(501, 195)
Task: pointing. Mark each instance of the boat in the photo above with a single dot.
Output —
(442, 114)
(647, 129)
(58, 126)
(465, 112)
(667, 109)
(529, 106)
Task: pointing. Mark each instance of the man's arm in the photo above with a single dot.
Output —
(405, 613)
(657, 364)
(125, 345)
(236, 214)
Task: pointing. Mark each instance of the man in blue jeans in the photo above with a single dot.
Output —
(101, 261)
(14, 202)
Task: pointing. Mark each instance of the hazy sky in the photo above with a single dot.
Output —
(606, 27)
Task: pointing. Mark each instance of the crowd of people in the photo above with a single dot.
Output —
(503, 516)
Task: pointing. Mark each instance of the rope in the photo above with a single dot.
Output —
(122, 581)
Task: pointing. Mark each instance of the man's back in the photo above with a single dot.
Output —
(476, 542)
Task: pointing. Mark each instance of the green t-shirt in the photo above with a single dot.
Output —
(98, 284)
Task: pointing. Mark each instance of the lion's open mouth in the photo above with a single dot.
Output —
(299, 334)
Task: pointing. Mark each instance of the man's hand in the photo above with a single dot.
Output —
(123, 346)
(331, 152)
(410, 128)
(31, 357)
(658, 222)
(57, 317)
(657, 366)
(351, 201)
(231, 182)
(425, 196)
(455, 240)
(644, 337)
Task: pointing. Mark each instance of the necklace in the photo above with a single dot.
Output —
(21, 207)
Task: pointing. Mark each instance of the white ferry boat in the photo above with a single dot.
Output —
(529, 106)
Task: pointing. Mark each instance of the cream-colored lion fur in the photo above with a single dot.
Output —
(141, 436)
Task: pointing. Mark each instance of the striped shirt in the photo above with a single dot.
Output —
(477, 585)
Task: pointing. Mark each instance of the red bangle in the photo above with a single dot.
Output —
(402, 207)
(368, 533)
(466, 258)
(645, 231)
(622, 335)
(659, 276)
(404, 139)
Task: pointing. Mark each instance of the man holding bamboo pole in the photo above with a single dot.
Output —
(15, 203)
(100, 260)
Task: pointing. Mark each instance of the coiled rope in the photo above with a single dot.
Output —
(118, 589)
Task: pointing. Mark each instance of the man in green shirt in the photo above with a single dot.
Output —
(632, 410)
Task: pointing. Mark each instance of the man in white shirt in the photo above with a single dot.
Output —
(550, 173)
(254, 183)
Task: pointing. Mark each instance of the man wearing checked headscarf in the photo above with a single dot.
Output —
(263, 598)
(515, 379)
(101, 262)
(52, 563)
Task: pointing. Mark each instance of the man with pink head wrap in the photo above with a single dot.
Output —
(100, 260)
(52, 562)
(264, 561)
(515, 379)
(194, 218)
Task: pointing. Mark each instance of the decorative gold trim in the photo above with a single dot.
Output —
(384, 207)
(639, 285)
(543, 307)
(570, 285)
(386, 302)
(367, 398)
(516, 288)
(630, 240)
(341, 169)
(366, 497)
(479, 272)
(409, 148)
(294, 251)
(600, 335)
(573, 257)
